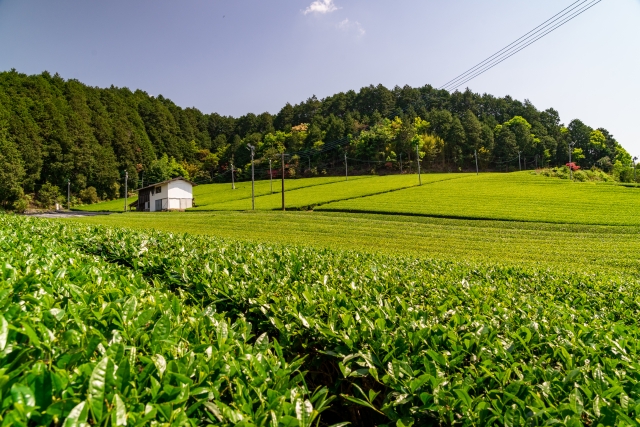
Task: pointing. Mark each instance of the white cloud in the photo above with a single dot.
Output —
(321, 6)
(347, 25)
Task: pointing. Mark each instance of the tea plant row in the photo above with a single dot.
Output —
(409, 342)
(87, 342)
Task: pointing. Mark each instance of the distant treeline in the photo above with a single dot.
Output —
(53, 131)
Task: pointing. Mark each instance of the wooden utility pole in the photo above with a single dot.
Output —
(475, 153)
(270, 176)
(126, 178)
(418, 157)
(283, 181)
(346, 168)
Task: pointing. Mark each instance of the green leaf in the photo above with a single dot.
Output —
(304, 409)
(129, 309)
(304, 321)
(78, 416)
(4, 332)
(161, 330)
(510, 417)
(57, 313)
(596, 406)
(160, 362)
(95, 393)
(23, 395)
(27, 330)
(119, 412)
(405, 422)
(575, 402)
(262, 343)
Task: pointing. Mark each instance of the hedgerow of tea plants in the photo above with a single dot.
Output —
(85, 342)
(412, 342)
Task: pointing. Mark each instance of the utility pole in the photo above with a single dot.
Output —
(69, 194)
(519, 164)
(126, 178)
(418, 160)
(283, 181)
(233, 182)
(536, 161)
(475, 153)
(400, 163)
(346, 169)
(253, 200)
(271, 176)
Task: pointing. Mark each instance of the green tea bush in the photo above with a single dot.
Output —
(416, 342)
(85, 342)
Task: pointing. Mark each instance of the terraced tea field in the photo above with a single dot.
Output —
(503, 299)
(516, 196)
(309, 197)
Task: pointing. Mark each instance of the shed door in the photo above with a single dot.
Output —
(183, 203)
(159, 205)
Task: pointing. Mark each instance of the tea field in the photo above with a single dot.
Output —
(516, 196)
(102, 325)
(581, 246)
(309, 197)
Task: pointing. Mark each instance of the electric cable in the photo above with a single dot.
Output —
(510, 53)
(516, 42)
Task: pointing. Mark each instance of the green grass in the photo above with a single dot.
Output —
(309, 197)
(583, 246)
(212, 194)
(110, 206)
(517, 197)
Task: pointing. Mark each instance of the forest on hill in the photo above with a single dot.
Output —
(55, 131)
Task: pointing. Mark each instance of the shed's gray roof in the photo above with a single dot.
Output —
(166, 182)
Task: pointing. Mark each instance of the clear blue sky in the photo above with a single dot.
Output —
(235, 57)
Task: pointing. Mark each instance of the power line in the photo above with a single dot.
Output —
(506, 47)
(552, 24)
(528, 44)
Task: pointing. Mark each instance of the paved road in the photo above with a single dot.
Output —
(66, 214)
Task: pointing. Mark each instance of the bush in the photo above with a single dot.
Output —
(22, 204)
(622, 173)
(48, 195)
(580, 176)
(89, 196)
(594, 174)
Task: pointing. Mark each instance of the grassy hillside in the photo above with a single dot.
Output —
(517, 196)
(214, 194)
(308, 197)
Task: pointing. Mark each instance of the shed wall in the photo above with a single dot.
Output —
(180, 190)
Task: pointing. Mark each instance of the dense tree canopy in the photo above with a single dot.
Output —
(53, 130)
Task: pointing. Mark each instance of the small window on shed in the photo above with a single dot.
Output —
(158, 190)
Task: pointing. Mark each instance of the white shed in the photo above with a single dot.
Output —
(174, 194)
